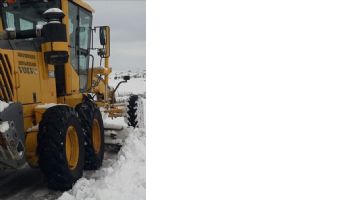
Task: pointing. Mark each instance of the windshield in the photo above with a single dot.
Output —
(26, 14)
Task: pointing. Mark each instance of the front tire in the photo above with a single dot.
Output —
(135, 112)
(61, 147)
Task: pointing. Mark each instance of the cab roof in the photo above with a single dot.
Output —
(85, 5)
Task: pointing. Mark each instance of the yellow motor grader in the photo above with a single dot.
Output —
(51, 97)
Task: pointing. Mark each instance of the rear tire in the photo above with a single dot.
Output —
(60, 147)
(93, 129)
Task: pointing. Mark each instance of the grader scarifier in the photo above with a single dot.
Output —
(51, 94)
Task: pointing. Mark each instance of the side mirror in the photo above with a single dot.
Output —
(102, 36)
(105, 40)
(126, 78)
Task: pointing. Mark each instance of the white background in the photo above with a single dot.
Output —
(250, 99)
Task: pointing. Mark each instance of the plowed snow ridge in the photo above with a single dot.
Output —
(124, 180)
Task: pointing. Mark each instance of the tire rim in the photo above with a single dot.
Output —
(72, 147)
(96, 136)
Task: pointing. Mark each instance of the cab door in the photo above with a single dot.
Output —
(80, 21)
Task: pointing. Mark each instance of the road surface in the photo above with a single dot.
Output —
(29, 183)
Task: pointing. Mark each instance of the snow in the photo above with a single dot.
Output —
(3, 105)
(124, 180)
(53, 10)
(110, 123)
(4, 126)
(47, 105)
(33, 128)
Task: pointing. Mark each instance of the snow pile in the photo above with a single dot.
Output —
(124, 180)
(3, 105)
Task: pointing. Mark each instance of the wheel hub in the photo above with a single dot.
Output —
(72, 147)
(96, 136)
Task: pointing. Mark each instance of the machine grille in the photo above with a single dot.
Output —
(6, 79)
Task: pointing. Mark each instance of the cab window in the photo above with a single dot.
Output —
(25, 15)
(84, 44)
(26, 25)
(73, 25)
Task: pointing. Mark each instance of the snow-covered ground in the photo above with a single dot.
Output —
(122, 179)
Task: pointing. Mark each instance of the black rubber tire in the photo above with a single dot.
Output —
(51, 147)
(87, 112)
(132, 111)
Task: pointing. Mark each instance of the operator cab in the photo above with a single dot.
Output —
(25, 17)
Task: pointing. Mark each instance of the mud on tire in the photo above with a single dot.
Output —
(88, 112)
(58, 123)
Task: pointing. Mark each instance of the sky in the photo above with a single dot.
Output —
(128, 35)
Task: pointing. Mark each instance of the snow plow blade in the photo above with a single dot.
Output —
(113, 135)
(113, 139)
